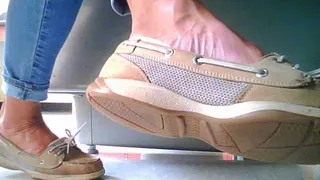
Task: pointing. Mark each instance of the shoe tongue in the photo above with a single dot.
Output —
(272, 57)
(56, 142)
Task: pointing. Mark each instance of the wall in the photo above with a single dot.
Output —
(287, 27)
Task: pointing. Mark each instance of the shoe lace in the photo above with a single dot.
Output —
(315, 74)
(66, 143)
(199, 60)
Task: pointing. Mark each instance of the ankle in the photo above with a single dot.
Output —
(26, 129)
(158, 17)
(7, 129)
(32, 139)
(29, 114)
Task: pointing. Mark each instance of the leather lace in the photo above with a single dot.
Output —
(66, 142)
(199, 60)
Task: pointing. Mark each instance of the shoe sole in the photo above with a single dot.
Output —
(38, 175)
(264, 131)
(4, 163)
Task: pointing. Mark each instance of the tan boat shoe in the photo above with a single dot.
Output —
(61, 160)
(268, 111)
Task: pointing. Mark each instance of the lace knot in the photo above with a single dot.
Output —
(66, 143)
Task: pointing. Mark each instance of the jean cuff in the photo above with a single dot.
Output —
(24, 91)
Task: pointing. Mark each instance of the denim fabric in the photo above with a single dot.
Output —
(35, 33)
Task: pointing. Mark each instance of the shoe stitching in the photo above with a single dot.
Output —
(218, 75)
(245, 94)
(82, 164)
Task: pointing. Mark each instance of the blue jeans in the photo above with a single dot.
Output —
(35, 32)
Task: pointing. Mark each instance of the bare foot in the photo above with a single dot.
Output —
(189, 26)
(25, 129)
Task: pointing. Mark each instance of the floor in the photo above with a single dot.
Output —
(148, 164)
(181, 170)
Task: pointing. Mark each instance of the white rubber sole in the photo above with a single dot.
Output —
(146, 92)
(265, 131)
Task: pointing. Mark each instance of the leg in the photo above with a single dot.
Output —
(35, 32)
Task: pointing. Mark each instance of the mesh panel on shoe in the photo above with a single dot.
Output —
(200, 88)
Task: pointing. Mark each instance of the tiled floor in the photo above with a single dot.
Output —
(142, 164)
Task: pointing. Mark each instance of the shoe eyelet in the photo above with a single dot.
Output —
(262, 73)
(49, 152)
(169, 53)
(195, 60)
(42, 162)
